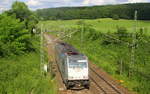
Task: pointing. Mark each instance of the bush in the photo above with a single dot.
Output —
(122, 33)
(115, 17)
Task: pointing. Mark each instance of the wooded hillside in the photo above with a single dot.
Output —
(123, 11)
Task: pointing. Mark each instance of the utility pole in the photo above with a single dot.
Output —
(41, 49)
(133, 44)
(82, 29)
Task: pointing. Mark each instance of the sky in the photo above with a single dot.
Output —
(38, 4)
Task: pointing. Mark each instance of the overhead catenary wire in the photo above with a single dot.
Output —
(62, 37)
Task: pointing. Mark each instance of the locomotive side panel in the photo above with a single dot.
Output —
(61, 60)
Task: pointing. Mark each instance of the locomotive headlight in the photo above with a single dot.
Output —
(71, 77)
(85, 77)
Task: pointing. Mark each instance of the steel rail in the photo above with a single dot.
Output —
(110, 84)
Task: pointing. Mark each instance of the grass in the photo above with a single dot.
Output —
(101, 25)
(22, 75)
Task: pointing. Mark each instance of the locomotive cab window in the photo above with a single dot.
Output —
(77, 64)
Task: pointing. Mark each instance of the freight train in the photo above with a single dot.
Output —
(73, 66)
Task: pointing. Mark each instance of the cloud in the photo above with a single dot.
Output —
(137, 1)
(2, 9)
(98, 2)
(33, 3)
(5, 5)
(36, 4)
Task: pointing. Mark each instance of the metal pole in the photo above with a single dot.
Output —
(82, 35)
(41, 49)
(133, 42)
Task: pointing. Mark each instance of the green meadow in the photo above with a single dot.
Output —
(100, 25)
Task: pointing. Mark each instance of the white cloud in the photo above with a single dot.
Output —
(98, 2)
(5, 5)
(137, 1)
(86, 2)
(33, 3)
(2, 9)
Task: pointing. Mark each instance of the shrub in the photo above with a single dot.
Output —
(115, 17)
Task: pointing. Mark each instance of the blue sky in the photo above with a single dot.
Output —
(36, 4)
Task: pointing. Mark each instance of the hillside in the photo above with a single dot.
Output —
(124, 11)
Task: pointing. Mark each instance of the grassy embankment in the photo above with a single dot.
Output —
(22, 74)
(113, 56)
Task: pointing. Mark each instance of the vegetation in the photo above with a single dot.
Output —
(20, 11)
(108, 43)
(101, 25)
(22, 75)
(123, 11)
(14, 37)
(20, 68)
(111, 48)
(16, 30)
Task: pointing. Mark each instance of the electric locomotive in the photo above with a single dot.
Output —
(73, 66)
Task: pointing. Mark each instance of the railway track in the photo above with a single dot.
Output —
(103, 84)
(100, 83)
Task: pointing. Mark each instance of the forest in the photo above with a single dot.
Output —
(121, 11)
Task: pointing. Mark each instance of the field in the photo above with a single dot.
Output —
(101, 25)
(111, 45)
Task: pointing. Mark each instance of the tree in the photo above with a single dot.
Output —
(31, 22)
(21, 10)
(14, 38)
(123, 11)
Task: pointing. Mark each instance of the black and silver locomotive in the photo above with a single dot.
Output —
(72, 65)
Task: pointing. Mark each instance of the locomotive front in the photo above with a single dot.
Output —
(78, 71)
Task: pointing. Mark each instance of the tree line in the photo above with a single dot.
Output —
(122, 11)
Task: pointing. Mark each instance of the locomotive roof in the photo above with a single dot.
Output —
(67, 48)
